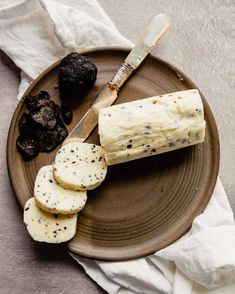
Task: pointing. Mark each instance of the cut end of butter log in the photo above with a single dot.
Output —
(46, 227)
(151, 126)
(80, 166)
(53, 198)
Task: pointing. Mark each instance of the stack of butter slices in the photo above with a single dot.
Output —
(60, 191)
(127, 132)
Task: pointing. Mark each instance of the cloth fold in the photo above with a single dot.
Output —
(35, 34)
(204, 256)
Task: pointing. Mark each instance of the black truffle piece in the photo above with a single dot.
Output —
(44, 116)
(56, 110)
(49, 140)
(41, 130)
(62, 131)
(24, 123)
(66, 113)
(35, 101)
(76, 74)
(43, 94)
(28, 146)
(27, 126)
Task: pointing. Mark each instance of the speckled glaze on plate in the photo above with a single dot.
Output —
(143, 205)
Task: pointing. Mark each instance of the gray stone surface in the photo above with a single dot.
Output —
(201, 43)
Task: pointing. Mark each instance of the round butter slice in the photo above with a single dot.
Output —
(46, 227)
(80, 166)
(53, 198)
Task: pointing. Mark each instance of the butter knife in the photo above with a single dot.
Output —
(145, 43)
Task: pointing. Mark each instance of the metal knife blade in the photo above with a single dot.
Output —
(147, 40)
(89, 121)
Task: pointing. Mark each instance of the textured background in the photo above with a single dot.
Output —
(201, 42)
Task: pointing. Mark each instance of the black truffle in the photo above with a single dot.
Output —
(34, 101)
(28, 146)
(61, 130)
(44, 116)
(25, 123)
(76, 74)
(49, 140)
(56, 109)
(41, 130)
(66, 113)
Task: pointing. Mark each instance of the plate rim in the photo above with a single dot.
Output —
(201, 205)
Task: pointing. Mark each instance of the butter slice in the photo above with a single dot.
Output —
(53, 198)
(46, 227)
(80, 166)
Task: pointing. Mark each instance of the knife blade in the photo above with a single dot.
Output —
(145, 43)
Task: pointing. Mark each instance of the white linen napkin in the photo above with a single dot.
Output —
(37, 33)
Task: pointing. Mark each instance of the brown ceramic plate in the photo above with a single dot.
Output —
(143, 205)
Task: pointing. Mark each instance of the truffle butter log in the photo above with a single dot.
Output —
(151, 126)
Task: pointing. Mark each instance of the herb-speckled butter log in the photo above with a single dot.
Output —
(151, 126)
(46, 227)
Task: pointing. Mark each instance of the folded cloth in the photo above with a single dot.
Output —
(37, 33)
(205, 256)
